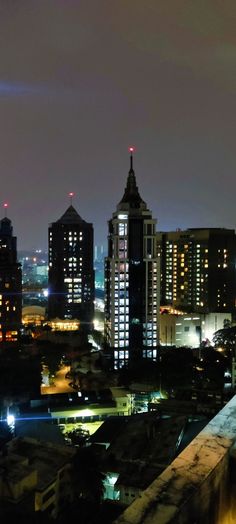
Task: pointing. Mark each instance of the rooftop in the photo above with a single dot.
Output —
(44, 457)
(70, 217)
(185, 484)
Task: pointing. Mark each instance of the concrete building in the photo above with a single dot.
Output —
(119, 403)
(71, 274)
(198, 269)
(199, 486)
(131, 279)
(10, 284)
(33, 474)
(191, 329)
(135, 451)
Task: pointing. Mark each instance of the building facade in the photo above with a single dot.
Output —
(191, 329)
(71, 273)
(10, 284)
(198, 269)
(131, 279)
(34, 478)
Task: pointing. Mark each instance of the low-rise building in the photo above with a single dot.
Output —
(32, 474)
(120, 403)
(136, 450)
(199, 485)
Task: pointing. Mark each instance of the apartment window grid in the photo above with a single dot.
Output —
(121, 334)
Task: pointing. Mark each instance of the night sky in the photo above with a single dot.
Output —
(81, 80)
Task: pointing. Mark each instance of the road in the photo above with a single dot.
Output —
(61, 384)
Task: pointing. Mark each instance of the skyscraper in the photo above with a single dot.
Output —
(198, 269)
(131, 279)
(10, 284)
(71, 273)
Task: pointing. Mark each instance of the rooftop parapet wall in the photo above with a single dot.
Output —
(198, 487)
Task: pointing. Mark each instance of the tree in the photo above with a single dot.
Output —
(226, 338)
(87, 479)
(52, 355)
(177, 366)
(214, 365)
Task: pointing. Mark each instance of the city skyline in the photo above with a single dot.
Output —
(80, 82)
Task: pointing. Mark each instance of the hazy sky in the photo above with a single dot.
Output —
(81, 80)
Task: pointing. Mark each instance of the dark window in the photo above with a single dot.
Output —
(186, 328)
(149, 246)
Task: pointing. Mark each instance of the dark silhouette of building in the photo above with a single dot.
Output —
(71, 273)
(10, 284)
(198, 269)
(131, 279)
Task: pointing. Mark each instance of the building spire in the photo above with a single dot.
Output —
(71, 195)
(131, 150)
(131, 195)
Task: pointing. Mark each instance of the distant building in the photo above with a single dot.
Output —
(34, 268)
(33, 315)
(10, 284)
(131, 279)
(71, 274)
(99, 253)
(198, 269)
(191, 329)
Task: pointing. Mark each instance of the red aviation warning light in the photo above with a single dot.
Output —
(5, 206)
(131, 151)
(71, 195)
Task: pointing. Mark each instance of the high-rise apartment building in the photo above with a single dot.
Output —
(71, 273)
(10, 284)
(198, 269)
(131, 279)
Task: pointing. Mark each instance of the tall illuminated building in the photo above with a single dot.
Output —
(198, 269)
(131, 279)
(10, 284)
(71, 273)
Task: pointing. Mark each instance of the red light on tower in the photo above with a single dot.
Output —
(5, 205)
(71, 197)
(131, 151)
